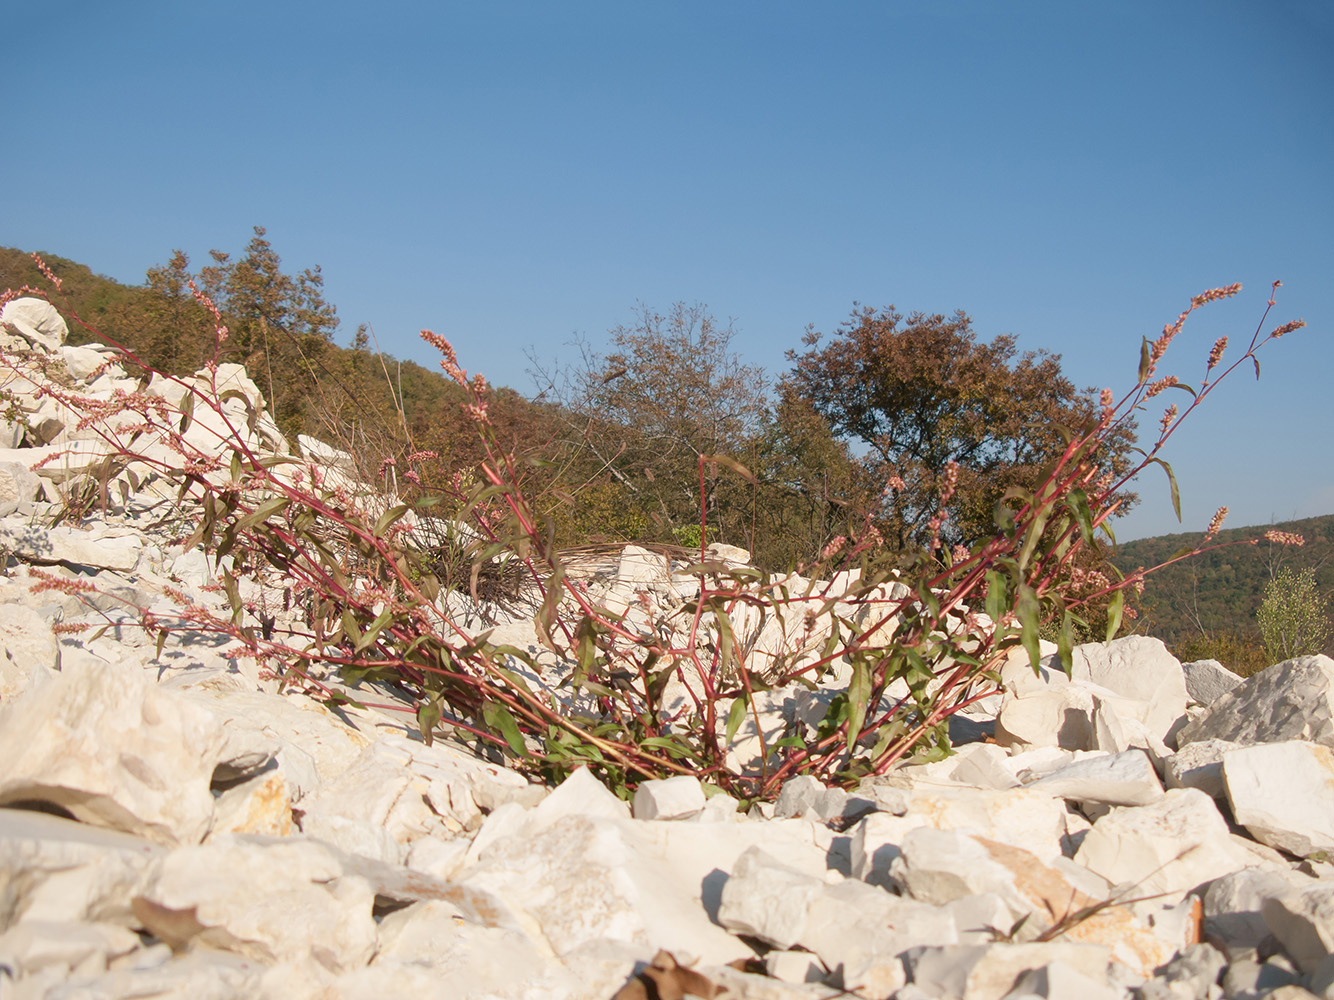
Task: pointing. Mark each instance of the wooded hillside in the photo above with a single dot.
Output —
(1215, 594)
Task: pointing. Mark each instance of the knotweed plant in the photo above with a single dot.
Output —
(885, 655)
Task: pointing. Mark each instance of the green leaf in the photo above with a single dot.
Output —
(233, 596)
(187, 412)
(1065, 641)
(263, 512)
(1172, 482)
(1115, 608)
(726, 643)
(1034, 535)
(389, 517)
(350, 628)
(1078, 502)
(428, 717)
(735, 717)
(587, 651)
(1028, 609)
(498, 717)
(859, 696)
(373, 630)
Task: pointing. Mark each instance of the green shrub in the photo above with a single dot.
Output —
(1292, 616)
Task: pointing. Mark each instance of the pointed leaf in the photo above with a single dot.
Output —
(263, 512)
(187, 412)
(1172, 482)
(389, 517)
(1027, 609)
(1078, 502)
(859, 696)
(498, 718)
(735, 717)
(1115, 608)
(428, 717)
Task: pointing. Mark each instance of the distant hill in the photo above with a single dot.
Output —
(1215, 594)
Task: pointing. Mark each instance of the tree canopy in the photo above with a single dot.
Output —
(921, 393)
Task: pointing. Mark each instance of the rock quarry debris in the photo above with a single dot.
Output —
(174, 825)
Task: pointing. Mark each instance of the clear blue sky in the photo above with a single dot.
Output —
(513, 174)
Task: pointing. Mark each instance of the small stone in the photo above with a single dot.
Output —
(1122, 779)
(1208, 680)
(679, 797)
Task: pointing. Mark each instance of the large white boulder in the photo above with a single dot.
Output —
(36, 321)
(309, 906)
(1170, 847)
(109, 746)
(1292, 700)
(1280, 792)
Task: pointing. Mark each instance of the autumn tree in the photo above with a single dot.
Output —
(670, 390)
(920, 393)
(278, 324)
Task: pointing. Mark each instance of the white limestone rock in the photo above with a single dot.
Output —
(73, 546)
(313, 745)
(204, 975)
(1170, 847)
(70, 949)
(876, 841)
(849, 924)
(679, 797)
(1141, 671)
(27, 646)
(1303, 922)
(1247, 979)
(990, 972)
(36, 321)
(1208, 680)
(61, 871)
(1022, 817)
(1292, 700)
(261, 804)
(377, 793)
(1280, 792)
(1044, 710)
(1058, 981)
(82, 361)
(106, 744)
(580, 794)
(1232, 906)
(1199, 765)
(940, 866)
(584, 878)
(205, 897)
(474, 959)
(18, 483)
(1122, 779)
(1130, 692)
(795, 966)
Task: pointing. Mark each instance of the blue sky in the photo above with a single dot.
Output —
(512, 175)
